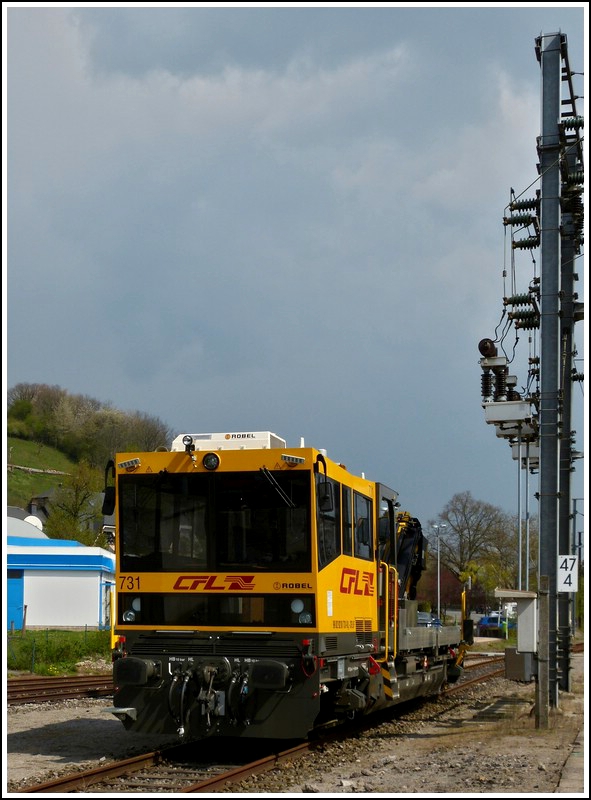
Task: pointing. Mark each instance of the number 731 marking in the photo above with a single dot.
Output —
(129, 583)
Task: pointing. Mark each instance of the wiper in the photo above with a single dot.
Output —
(286, 499)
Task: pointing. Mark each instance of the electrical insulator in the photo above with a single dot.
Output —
(575, 177)
(524, 205)
(523, 316)
(519, 219)
(500, 382)
(528, 324)
(518, 300)
(486, 383)
(526, 244)
(573, 123)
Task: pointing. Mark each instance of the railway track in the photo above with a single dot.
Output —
(176, 770)
(170, 771)
(36, 689)
(476, 670)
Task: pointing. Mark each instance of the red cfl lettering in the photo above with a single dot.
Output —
(355, 582)
(190, 583)
(208, 583)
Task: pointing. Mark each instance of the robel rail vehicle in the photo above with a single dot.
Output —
(263, 591)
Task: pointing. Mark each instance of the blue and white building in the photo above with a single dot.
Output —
(56, 583)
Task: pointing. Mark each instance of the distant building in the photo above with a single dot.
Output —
(55, 583)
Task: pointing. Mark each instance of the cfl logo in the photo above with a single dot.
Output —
(209, 583)
(355, 582)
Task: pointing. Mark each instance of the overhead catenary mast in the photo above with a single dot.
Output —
(542, 420)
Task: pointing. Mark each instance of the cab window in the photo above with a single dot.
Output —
(328, 519)
(363, 527)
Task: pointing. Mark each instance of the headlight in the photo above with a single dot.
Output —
(211, 461)
(129, 616)
(298, 607)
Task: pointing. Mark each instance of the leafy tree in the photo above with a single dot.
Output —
(107, 434)
(75, 508)
(23, 421)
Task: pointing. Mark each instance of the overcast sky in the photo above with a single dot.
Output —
(280, 218)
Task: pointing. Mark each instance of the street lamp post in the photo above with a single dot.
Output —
(437, 528)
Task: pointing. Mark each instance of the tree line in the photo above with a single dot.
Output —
(79, 426)
(89, 432)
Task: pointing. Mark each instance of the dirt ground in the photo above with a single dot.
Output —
(489, 745)
(466, 751)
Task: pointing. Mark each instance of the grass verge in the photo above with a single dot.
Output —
(55, 652)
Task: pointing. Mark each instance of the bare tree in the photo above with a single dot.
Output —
(22, 391)
(478, 542)
(147, 433)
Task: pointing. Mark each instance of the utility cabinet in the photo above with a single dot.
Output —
(520, 666)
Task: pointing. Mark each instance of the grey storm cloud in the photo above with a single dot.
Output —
(276, 218)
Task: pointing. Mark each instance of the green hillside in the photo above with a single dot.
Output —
(23, 485)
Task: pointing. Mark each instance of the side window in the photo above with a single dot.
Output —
(328, 518)
(347, 522)
(384, 537)
(363, 527)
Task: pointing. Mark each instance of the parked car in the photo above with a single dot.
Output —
(495, 624)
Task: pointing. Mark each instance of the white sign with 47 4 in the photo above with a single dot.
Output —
(568, 574)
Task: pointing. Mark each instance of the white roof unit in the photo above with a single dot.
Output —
(241, 440)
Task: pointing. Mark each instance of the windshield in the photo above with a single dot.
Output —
(215, 521)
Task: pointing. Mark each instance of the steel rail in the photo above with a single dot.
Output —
(82, 780)
(37, 689)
